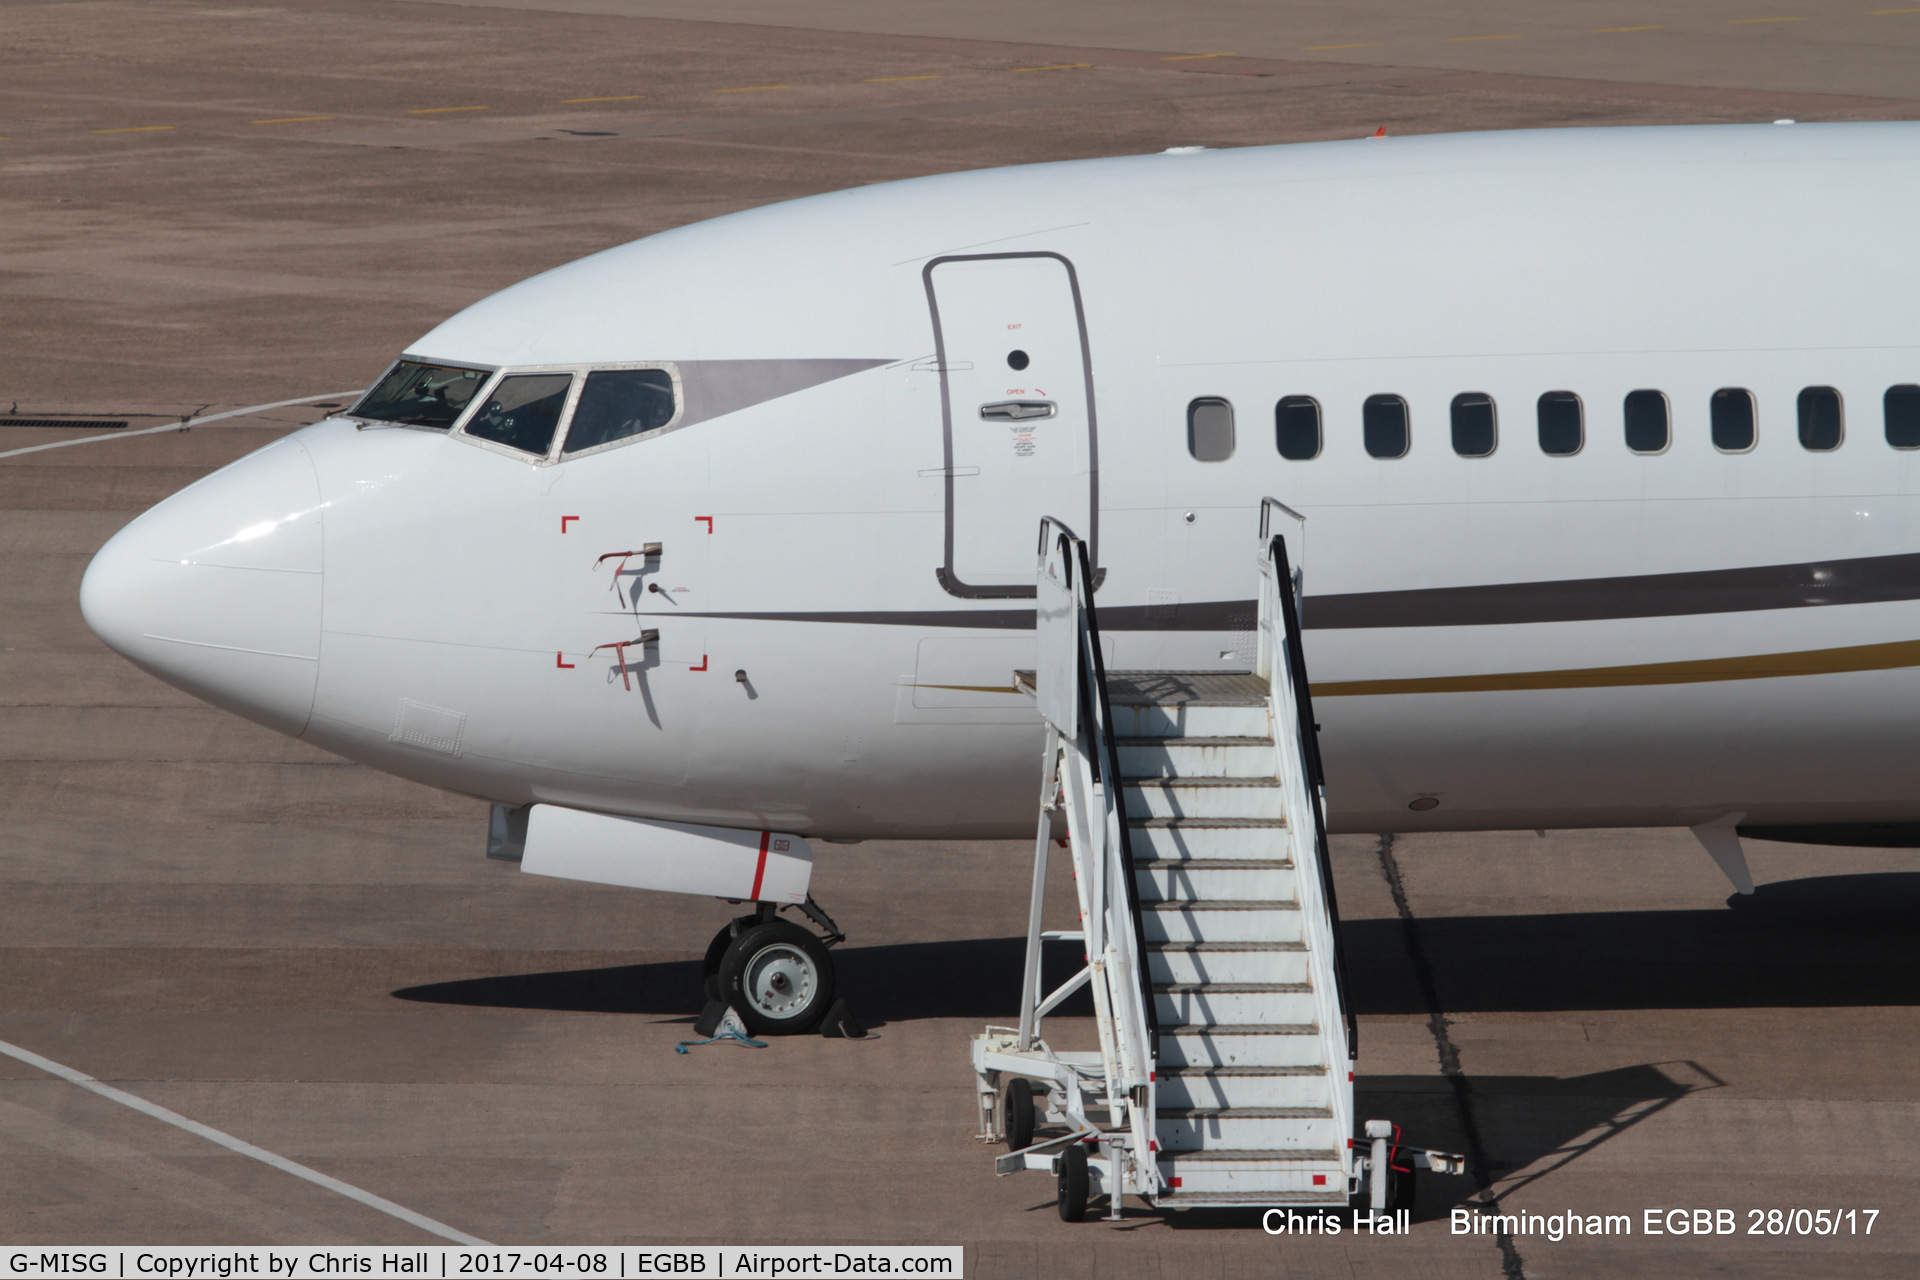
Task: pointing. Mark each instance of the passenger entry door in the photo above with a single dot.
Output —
(1017, 415)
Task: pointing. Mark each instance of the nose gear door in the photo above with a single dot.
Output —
(1017, 415)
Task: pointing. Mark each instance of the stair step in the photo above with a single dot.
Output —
(1200, 1048)
(1235, 1003)
(1204, 797)
(1188, 740)
(1168, 948)
(1230, 968)
(1212, 880)
(1245, 1128)
(1173, 756)
(1229, 988)
(1223, 840)
(1186, 689)
(1213, 864)
(1174, 922)
(1196, 721)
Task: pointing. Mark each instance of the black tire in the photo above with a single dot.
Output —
(710, 967)
(1073, 1183)
(778, 977)
(1400, 1186)
(1019, 1114)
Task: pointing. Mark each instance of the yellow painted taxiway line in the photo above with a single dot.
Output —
(293, 119)
(436, 111)
(896, 79)
(1058, 66)
(618, 97)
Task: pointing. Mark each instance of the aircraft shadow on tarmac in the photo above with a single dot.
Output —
(1818, 942)
(1821, 942)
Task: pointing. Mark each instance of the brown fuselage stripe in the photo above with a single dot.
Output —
(1759, 666)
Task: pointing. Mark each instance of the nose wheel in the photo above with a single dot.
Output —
(777, 976)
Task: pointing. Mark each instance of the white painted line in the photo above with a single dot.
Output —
(232, 1143)
(185, 424)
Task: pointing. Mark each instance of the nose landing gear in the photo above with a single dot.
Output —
(775, 974)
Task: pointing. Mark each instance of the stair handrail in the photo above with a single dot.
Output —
(1275, 571)
(1071, 689)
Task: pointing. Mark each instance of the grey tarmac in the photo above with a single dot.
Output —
(206, 206)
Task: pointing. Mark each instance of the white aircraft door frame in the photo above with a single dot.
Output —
(947, 574)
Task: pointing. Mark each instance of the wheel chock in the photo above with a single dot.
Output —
(715, 1012)
(841, 1022)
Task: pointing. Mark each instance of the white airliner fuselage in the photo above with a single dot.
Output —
(1603, 441)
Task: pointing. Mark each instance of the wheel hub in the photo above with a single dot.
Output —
(780, 980)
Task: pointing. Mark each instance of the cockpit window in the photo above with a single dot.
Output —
(421, 395)
(617, 403)
(522, 411)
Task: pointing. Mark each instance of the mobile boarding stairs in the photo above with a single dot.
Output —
(1194, 813)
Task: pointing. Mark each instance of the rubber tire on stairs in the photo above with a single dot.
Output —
(1019, 1114)
(1073, 1183)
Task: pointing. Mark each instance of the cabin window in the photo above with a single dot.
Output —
(1733, 415)
(1474, 426)
(1820, 425)
(1296, 428)
(1649, 424)
(1563, 426)
(1903, 416)
(1383, 426)
(522, 411)
(421, 395)
(618, 403)
(1210, 429)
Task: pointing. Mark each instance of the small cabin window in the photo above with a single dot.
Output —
(1820, 425)
(1475, 429)
(1733, 417)
(1649, 423)
(1563, 427)
(1902, 406)
(1296, 428)
(1210, 429)
(522, 411)
(618, 403)
(1383, 426)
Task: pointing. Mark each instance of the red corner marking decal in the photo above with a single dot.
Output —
(563, 522)
(708, 519)
(760, 871)
(702, 666)
(560, 660)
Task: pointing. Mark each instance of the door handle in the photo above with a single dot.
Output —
(1017, 410)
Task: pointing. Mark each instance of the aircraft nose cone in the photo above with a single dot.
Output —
(217, 589)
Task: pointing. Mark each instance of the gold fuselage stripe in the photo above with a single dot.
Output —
(1759, 666)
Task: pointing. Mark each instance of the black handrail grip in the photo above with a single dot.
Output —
(1109, 759)
(1309, 731)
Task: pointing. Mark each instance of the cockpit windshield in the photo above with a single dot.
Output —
(421, 395)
